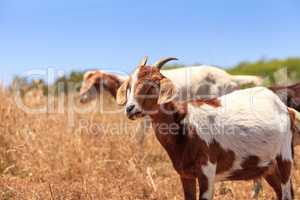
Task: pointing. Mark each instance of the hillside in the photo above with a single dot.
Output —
(267, 68)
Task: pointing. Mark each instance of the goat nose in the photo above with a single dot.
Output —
(129, 108)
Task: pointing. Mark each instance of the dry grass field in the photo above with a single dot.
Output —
(43, 156)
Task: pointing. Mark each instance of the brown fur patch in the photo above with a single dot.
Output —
(224, 159)
(285, 169)
(189, 188)
(272, 176)
(110, 83)
(148, 73)
(247, 174)
(250, 169)
(293, 120)
(146, 87)
(215, 102)
(294, 130)
(251, 161)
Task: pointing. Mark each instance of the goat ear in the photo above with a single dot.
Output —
(122, 93)
(167, 91)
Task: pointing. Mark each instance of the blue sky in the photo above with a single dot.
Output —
(79, 35)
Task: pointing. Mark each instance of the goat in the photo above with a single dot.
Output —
(240, 136)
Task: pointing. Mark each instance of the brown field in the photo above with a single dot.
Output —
(43, 157)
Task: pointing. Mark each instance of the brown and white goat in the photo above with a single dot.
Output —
(240, 136)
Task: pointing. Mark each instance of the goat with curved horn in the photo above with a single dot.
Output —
(163, 61)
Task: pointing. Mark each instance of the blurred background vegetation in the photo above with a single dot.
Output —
(264, 67)
(267, 68)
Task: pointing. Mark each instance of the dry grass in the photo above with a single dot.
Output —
(43, 157)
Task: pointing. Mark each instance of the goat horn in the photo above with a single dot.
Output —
(144, 61)
(163, 61)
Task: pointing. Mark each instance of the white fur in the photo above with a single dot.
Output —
(286, 192)
(209, 171)
(131, 100)
(246, 79)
